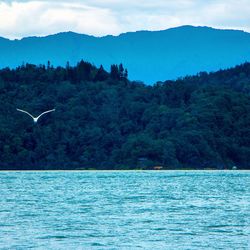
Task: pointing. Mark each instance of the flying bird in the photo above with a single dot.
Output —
(35, 119)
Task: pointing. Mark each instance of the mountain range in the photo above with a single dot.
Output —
(149, 56)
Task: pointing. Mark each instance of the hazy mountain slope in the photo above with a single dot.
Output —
(149, 56)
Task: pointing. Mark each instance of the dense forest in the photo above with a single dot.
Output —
(104, 121)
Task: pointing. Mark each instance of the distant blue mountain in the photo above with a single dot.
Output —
(149, 56)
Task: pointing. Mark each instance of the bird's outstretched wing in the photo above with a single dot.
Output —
(26, 113)
(45, 113)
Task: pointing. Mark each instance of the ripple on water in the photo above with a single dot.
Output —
(125, 210)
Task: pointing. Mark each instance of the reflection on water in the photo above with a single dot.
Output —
(125, 210)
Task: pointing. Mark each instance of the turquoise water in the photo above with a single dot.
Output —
(125, 210)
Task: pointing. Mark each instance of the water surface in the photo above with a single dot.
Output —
(125, 210)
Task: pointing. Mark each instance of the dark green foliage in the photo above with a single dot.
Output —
(104, 121)
(118, 72)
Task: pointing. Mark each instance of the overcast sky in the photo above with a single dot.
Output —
(23, 18)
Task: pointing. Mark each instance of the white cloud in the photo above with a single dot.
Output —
(20, 19)
(101, 17)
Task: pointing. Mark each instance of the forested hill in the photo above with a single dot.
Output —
(150, 56)
(104, 121)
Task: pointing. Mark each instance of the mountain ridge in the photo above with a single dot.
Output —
(124, 33)
(150, 56)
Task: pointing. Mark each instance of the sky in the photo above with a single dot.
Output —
(22, 18)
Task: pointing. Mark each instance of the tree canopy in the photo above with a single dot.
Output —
(105, 121)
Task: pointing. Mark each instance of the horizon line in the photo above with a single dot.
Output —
(122, 33)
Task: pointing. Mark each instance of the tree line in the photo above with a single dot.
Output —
(105, 121)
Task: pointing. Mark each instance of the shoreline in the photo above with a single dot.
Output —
(134, 170)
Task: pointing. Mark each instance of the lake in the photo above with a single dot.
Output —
(125, 210)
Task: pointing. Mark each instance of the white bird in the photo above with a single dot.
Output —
(35, 119)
